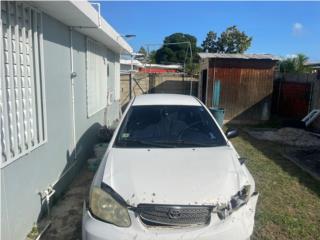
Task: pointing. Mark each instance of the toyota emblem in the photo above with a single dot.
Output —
(174, 213)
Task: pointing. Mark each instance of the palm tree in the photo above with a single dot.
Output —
(300, 62)
(287, 65)
(295, 65)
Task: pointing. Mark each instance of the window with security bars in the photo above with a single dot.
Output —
(22, 106)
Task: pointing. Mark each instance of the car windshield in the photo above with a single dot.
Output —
(168, 126)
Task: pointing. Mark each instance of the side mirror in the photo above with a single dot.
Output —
(232, 133)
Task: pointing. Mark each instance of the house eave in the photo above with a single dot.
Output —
(83, 17)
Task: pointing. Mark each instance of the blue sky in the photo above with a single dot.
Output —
(281, 28)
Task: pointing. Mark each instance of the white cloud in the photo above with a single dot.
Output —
(297, 28)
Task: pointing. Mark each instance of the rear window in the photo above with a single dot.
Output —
(168, 126)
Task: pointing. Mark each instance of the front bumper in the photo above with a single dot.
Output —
(239, 225)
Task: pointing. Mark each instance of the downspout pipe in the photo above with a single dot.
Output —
(72, 77)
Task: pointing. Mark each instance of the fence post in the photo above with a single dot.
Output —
(130, 85)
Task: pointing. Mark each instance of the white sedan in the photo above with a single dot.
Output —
(170, 173)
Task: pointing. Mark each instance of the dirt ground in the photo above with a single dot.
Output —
(299, 146)
(66, 214)
(288, 136)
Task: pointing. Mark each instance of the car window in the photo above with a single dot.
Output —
(168, 126)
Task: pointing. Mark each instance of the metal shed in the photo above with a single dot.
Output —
(244, 82)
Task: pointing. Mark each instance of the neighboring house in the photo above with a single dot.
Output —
(127, 64)
(242, 84)
(160, 68)
(137, 66)
(60, 82)
(315, 68)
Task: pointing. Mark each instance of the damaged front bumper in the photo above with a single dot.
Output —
(239, 225)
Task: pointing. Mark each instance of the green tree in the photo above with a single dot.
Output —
(152, 57)
(233, 41)
(295, 64)
(173, 51)
(287, 65)
(210, 43)
(230, 41)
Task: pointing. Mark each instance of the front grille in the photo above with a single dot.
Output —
(170, 215)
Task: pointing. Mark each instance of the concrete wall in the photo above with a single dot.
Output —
(55, 162)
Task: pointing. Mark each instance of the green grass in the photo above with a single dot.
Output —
(289, 202)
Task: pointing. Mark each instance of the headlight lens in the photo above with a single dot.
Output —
(106, 208)
(240, 198)
(237, 201)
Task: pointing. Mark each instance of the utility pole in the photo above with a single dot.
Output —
(128, 36)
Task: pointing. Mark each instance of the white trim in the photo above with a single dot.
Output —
(85, 18)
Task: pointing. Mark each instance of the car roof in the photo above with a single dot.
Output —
(165, 99)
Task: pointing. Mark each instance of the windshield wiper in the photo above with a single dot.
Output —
(145, 142)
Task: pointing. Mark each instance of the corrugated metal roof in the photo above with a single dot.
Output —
(239, 56)
(172, 66)
(313, 64)
(128, 62)
(147, 65)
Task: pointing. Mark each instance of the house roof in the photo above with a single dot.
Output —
(84, 18)
(128, 62)
(172, 66)
(314, 65)
(239, 56)
(147, 65)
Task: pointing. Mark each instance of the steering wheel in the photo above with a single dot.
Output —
(180, 134)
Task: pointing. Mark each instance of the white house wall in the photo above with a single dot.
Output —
(24, 178)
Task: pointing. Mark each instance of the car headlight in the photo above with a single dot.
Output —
(236, 201)
(240, 198)
(105, 207)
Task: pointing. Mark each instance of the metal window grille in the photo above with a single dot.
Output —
(22, 106)
(97, 75)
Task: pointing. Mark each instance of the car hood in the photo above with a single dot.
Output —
(181, 176)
